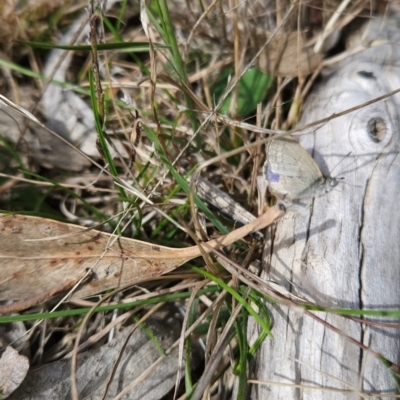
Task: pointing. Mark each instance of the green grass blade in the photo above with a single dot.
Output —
(182, 181)
(123, 306)
(234, 294)
(132, 47)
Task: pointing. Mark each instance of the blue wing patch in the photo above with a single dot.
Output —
(272, 177)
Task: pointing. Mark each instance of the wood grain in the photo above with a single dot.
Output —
(342, 250)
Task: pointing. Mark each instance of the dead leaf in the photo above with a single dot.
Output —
(13, 369)
(41, 257)
(53, 381)
(45, 148)
(286, 55)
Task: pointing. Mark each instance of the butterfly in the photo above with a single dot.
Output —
(291, 173)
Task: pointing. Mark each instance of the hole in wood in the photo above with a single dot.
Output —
(366, 74)
(376, 129)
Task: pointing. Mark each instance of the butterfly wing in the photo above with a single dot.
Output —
(290, 170)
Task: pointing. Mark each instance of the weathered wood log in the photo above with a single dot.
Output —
(342, 250)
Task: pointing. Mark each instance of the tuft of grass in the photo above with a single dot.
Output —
(154, 103)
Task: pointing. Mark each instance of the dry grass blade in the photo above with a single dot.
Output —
(176, 92)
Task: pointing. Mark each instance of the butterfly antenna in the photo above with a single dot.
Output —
(338, 164)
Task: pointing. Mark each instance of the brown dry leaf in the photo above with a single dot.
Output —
(286, 55)
(41, 257)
